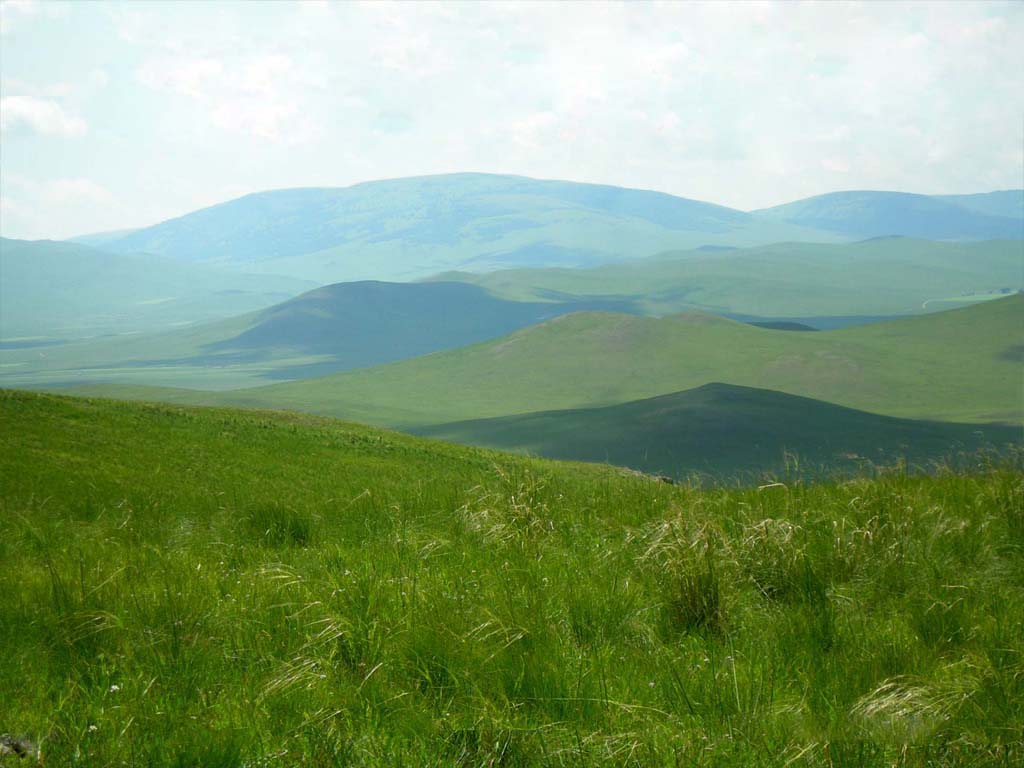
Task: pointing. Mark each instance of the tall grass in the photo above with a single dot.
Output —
(215, 588)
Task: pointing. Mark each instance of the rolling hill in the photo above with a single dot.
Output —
(355, 325)
(865, 214)
(820, 284)
(958, 365)
(67, 290)
(726, 430)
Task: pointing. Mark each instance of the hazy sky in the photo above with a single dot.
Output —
(118, 115)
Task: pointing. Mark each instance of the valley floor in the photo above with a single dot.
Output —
(213, 587)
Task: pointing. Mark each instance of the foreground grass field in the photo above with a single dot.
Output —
(208, 587)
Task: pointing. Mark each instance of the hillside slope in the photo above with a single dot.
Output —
(722, 430)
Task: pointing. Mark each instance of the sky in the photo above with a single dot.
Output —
(118, 115)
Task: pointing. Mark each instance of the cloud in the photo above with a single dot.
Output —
(25, 9)
(55, 208)
(195, 77)
(40, 116)
(75, 190)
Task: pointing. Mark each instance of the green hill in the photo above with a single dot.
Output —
(65, 290)
(402, 229)
(208, 587)
(862, 214)
(958, 365)
(814, 281)
(724, 430)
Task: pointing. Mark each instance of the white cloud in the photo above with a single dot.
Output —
(39, 115)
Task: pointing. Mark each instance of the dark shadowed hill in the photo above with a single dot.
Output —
(722, 429)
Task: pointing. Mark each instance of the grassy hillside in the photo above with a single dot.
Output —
(725, 430)
(960, 365)
(886, 276)
(67, 290)
(860, 214)
(407, 228)
(224, 588)
(333, 328)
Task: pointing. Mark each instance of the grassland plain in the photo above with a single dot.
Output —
(958, 365)
(210, 587)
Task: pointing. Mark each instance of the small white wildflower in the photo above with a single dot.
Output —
(650, 684)
(115, 688)
(93, 729)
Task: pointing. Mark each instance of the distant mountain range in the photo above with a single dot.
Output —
(409, 228)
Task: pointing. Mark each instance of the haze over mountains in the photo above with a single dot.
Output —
(201, 266)
(544, 312)
(59, 290)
